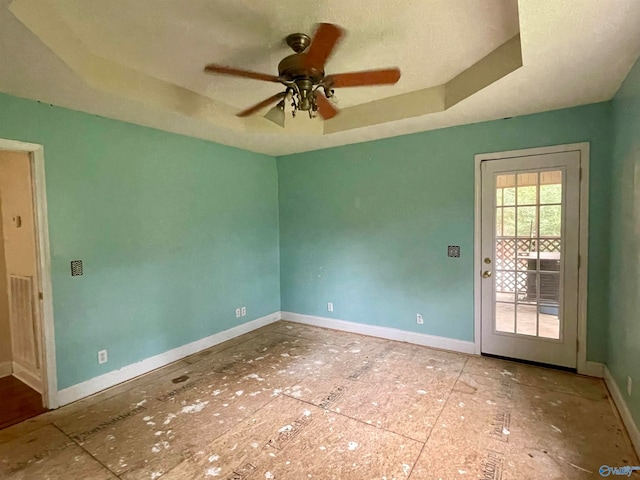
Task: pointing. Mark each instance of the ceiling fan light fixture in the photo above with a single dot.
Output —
(276, 114)
(302, 73)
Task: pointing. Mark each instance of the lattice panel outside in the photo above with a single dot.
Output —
(512, 282)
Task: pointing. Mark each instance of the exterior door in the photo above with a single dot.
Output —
(530, 234)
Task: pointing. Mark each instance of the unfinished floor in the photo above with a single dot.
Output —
(293, 402)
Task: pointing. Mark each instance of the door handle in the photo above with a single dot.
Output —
(486, 274)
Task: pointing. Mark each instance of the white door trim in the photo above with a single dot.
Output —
(49, 377)
(584, 367)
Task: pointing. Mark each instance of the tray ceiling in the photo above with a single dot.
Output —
(141, 61)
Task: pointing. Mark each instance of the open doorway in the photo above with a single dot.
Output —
(27, 366)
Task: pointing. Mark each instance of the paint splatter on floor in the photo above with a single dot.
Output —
(298, 402)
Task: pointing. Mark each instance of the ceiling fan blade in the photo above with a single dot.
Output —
(325, 108)
(236, 72)
(386, 76)
(322, 45)
(262, 104)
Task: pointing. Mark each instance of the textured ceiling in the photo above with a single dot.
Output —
(574, 52)
(173, 40)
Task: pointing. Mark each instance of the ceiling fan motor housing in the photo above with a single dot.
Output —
(293, 68)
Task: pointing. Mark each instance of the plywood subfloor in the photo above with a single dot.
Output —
(293, 402)
(17, 402)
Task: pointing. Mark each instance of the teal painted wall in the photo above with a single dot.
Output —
(624, 328)
(174, 232)
(367, 226)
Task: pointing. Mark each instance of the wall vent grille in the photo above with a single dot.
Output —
(23, 321)
(76, 268)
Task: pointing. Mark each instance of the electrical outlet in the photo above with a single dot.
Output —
(330, 306)
(238, 313)
(419, 319)
(102, 356)
(629, 385)
(243, 311)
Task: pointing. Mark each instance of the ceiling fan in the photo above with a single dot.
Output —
(303, 75)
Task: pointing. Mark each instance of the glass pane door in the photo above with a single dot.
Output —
(528, 250)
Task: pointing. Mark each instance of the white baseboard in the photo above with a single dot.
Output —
(592, 369)
(25, 375)
(444, 343)
(625, 414)
(94, 385)
(5, 369)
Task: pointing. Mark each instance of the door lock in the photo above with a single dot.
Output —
(486, 274)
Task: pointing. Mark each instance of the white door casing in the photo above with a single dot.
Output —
(582, 150)
(44, 307)
(530, 281)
